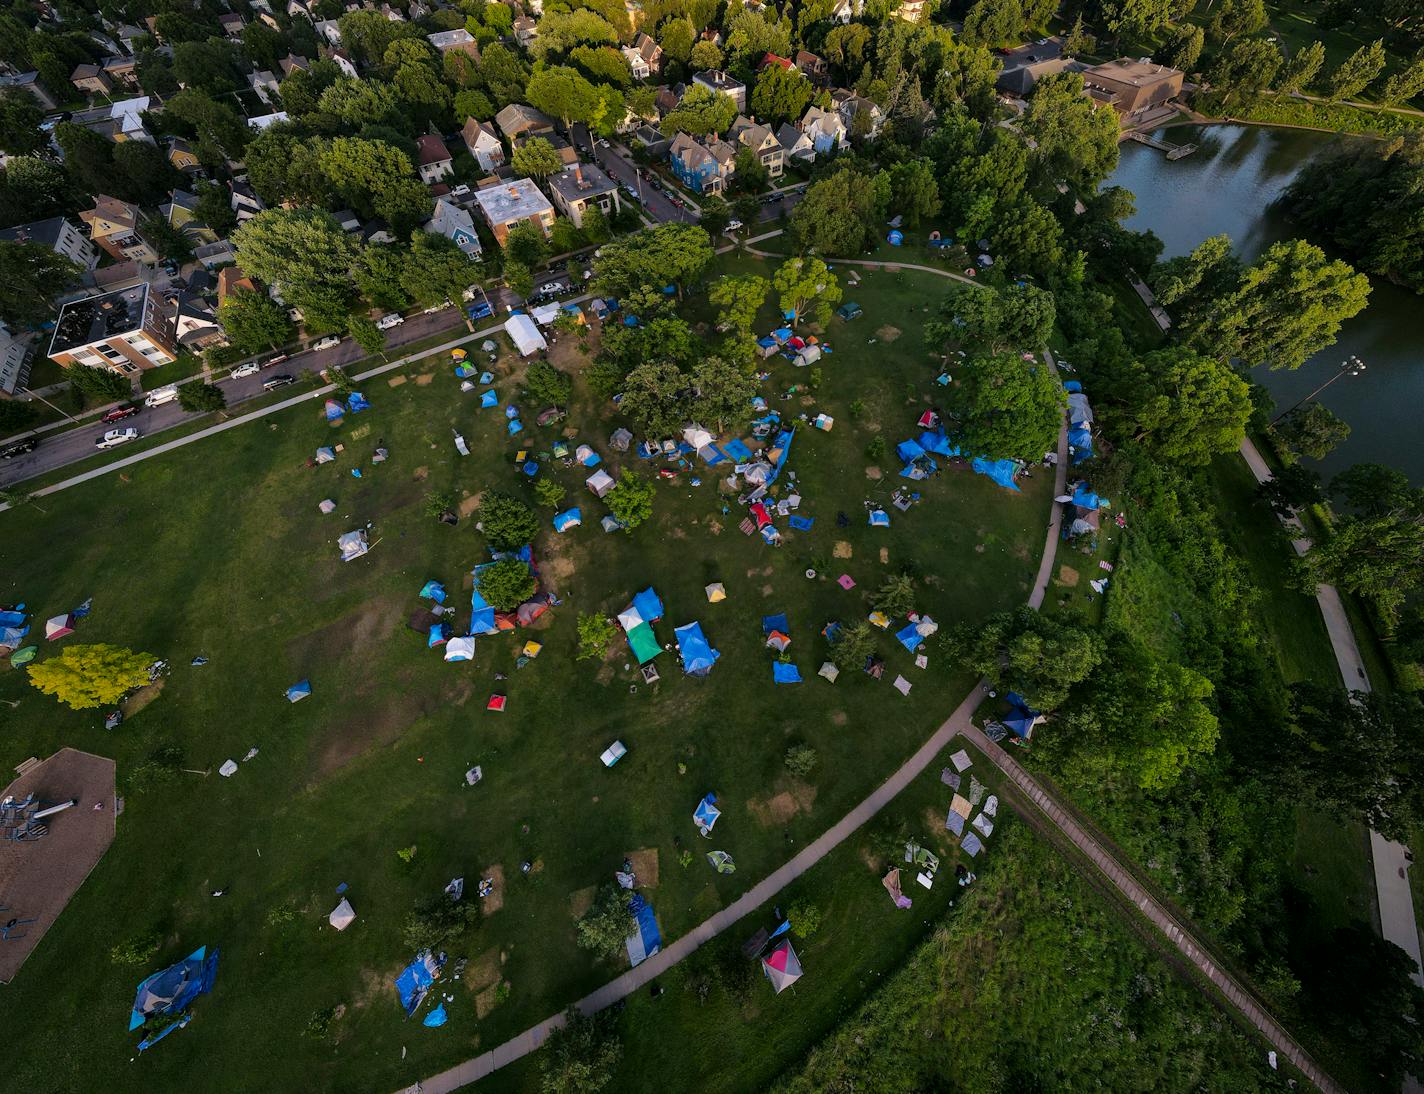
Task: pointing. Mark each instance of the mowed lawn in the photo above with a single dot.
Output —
(219, 550)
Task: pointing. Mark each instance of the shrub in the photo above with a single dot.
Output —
(595, 632)
(201, 398)
(548, 385)
(805, 918)
(605, 926)
(550, 493)
(801, 760)
(436, 919)
(876, 448)
(137, 949)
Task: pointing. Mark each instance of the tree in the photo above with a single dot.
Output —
(1136, 18)
(537, 158)
(437, 919)
(378, 273)
(1042, 657)
(1186, 48)
(33, 189)
(434, 270)
(1404, 84)
(604, 64)
(668, 254)
(88, 157)
(994, 23)
(20, 117)
(579, 1057)
(305, 252)
(1237, 19)
(896, 596)
(527, 244)
(606, 925)
(359, 103)
(562, 92)
(507, 522)
(141, 173)
(214, 66)
(214, 207)
(852, 646)
(780, 95)
(1378, 554)
(548, 385)
(720, 391)
(737, 299)
(1372, 488)
(700, 111)
(1076, 141)
(473, 104)
(1357, 71)
(750, 173)
(595, 634)
(807, 288)
(15, 415)
(1245, 68)
(201, 398)
(716, 215)
(550, 493)
(1293, 488)
(88, 676)
(31, 276)
(1184, 407)
(254, 321)
(367, 35)
(804, 917)
(1009, 408)
(841, 214)
(705, 55)
(1080, 40)
(978, 319)
(376, 177)
(1298, 73)
(631, 501)
(507, 584)
(365, 333)
(98, 385)
(1312, 430)
(221, 131)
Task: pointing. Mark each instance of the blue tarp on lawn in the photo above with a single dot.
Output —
(646, 939)
(569, 518)
(738, 451)
(802, 524)
(937, 442)
(357, 403)
(648, 606)
(1000, 471)
(909, 451)
(173, 990)
(777, 622)
(698, 656)
(415, 980)
(909, 637)
(783, 672)
(299, 691)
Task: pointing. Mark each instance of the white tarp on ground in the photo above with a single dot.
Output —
(353, 545)
(527, 338)
(342, 916)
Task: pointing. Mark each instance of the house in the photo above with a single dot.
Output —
(213, 255)
(911, 11)
(244, 201)
(231, 25)
(348, 220)
(636, 64)
(181, 211)
(120, 121)
(815, 68)
(762, 141)
(122, 72)
(298, 7)
(232, 280)
(114, 227)
(525, 31)
(1132, 87)
(14, 360)
(195, 324)
(264, 121)
(795, 145)
(520, 120)
(29, 82)
(457, 41)
(91, 79)
(393, 15)
(846, 10)
(291, 62)
(583, 186)
(825, 128)
(129, 37)
(454, 223)
(851, 107)
(652, 139)
(506, 204)
(342, 60)
(433, 159)
(483, 143)
(329, 31)
(667, 99)
(649, 52)
(1019, 80)
(60, 235)
(703, 168)
(717, 80)
(182, 156)
(769, 60)
(265, 83)
(124, 331)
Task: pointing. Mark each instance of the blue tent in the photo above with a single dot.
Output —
(909, 451)
(879, 518)
(697, 653)
(415, 980)
(438, 635)
(1022, 718)
(646, 939)
(909, 637)
(12, 619)
(938, 442)
(781, 334)
(171, 992)
(334, 410)
(489, 399)
(569, 518)
(1081, 441)
(433, 590)
(1000, 471)
(895, 238)
(515, 426)
(780, 449)
(648, 606)
(436, 1018)
(1072, 385)
(783, 672)
(356, 403)
(482, 617)
(706, 814)
(530, 468)
(298, 691)
(778, 622)
(768, 344)
(1084, 498)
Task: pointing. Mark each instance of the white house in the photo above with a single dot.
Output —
(483, 143)
(825, 128)
(454, 223)
(433, 159)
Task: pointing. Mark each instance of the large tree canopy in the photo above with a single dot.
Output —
(1008, 408)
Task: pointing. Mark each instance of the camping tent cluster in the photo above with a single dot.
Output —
(1084, 511)
(696, 652)
(1080, 423)
(637, 621)
(799, 351)
(161, 1002)
(337, 409)
(775, 630)
(917, 455)
(14, 625)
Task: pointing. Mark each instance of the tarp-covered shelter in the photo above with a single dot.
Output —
(697, 653)
(169, 993)
(648, 605)
(342, 916)
(706, 814)
(525, 334)
(569, 518)
(999, 471)
(646, 939)
(1021, 718)
(587, 456)
(783, 672)
(353, 545)
(782, 967)
(299, 691)
(620, 440)
(643, 642)
(415, 979)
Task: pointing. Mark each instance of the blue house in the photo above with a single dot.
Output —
(454, 223)
(702, 168)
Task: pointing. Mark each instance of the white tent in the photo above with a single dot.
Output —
(808, 355)
(342, 916)
(629, 618)
(228, 769)
(696, 436)
(600, 482)
(460, 648)
(527, 338)
(546, 314)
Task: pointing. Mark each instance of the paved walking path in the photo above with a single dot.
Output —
(1391, 859)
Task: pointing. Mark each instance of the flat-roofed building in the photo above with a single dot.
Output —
(124, 331)
(509, 203)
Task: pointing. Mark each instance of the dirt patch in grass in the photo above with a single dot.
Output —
(470, 504)
(143, 696)
(804, 793)
(839, 718)
(379, 722)
(373, 622)
(645, 865)
(1021, 552)
(495, 901)
(873, 861)
(395, 381)
(375, 984)
(488, 999)
(483, 971)
(775, 810)
(842, 549)
(425, 379)
(1067, 576)
(767, 590)
(581, 900)
(873, 473)
(885, 556)
(421, 474)
(888, 333)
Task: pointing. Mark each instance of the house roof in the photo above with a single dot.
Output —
(517, 199)
(805, 59)
(83, 322)
(40, 231)
(450, 39)
(231, 279)
(647, 47)
(769, 59)
(718, 80)
(113, 210)
(476, 132)
(789, 137)
(692, 153)
(1135, 73)
(84, 72)
(581, 182)
(516, 118)
(447, 217)
(431, 149)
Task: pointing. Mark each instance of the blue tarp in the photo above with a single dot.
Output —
(909, 637)
(569, 518)
(334, 410)
(530, 468)
(1084, 497)
(697, 653)
(646, 939)
(415, 980)
(1022, 718)
(173, 990)
(778, 622)
(433, 590)
(879, 518)
(298, 691)
(781, 334)
(489, 399)
(515, 426)
(938, 442)
(738, 451)
(648, 606)
(712, 455)
(706, 814)
(438, 635)
(356, 403)
(1072, 385)
(783, 443)
(895, 238)
(1000, 471)
(436, 1018)
(909, 451)
(766, 343)
(1081, 441)
(12, 619)
(801, 524)
(785, 673)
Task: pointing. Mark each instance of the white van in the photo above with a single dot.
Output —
(161, 395)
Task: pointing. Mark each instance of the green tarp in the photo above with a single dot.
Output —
(644, 643)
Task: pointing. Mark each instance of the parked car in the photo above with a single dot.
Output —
(327, 342)
(115, 437)
(161, 395)
(734, 225)
(280, 380)
(252, 368)
(274, 360)
(118, 414)
(386, 322)
(19, 448)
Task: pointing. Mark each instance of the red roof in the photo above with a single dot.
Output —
(773, 59)
(431, 149)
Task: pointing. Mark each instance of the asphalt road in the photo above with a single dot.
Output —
(61, 449)
(625, 172)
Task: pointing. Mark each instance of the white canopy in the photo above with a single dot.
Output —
(527, 338)
(342, 916)
(546, 314)
(629, 618)
(696, 436)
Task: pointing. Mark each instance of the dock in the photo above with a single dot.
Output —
(1174, 151)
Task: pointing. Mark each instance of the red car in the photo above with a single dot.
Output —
(118, 414)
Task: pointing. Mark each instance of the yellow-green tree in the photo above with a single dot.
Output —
(91, 676)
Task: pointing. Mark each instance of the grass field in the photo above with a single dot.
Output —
(219, 550)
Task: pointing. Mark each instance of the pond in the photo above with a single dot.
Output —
(1228, 185)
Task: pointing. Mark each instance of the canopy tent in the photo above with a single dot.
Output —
(342, 916)
(782, 967)
(569, 518)
(783, 672)
(613, 753)
(600, 482)
(644, 643)
(647, 605)
(59, 626)
(525, 334)
(171, 992)
(698, 656)
(461, 648)
(646, 939)
(546, 314)
(415, 980)
(299, 691)
(353, 545)
(999, 471)
(829, 671)
(706, 814)
(716, 592)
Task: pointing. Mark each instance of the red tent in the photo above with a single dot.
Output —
(782, 967)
